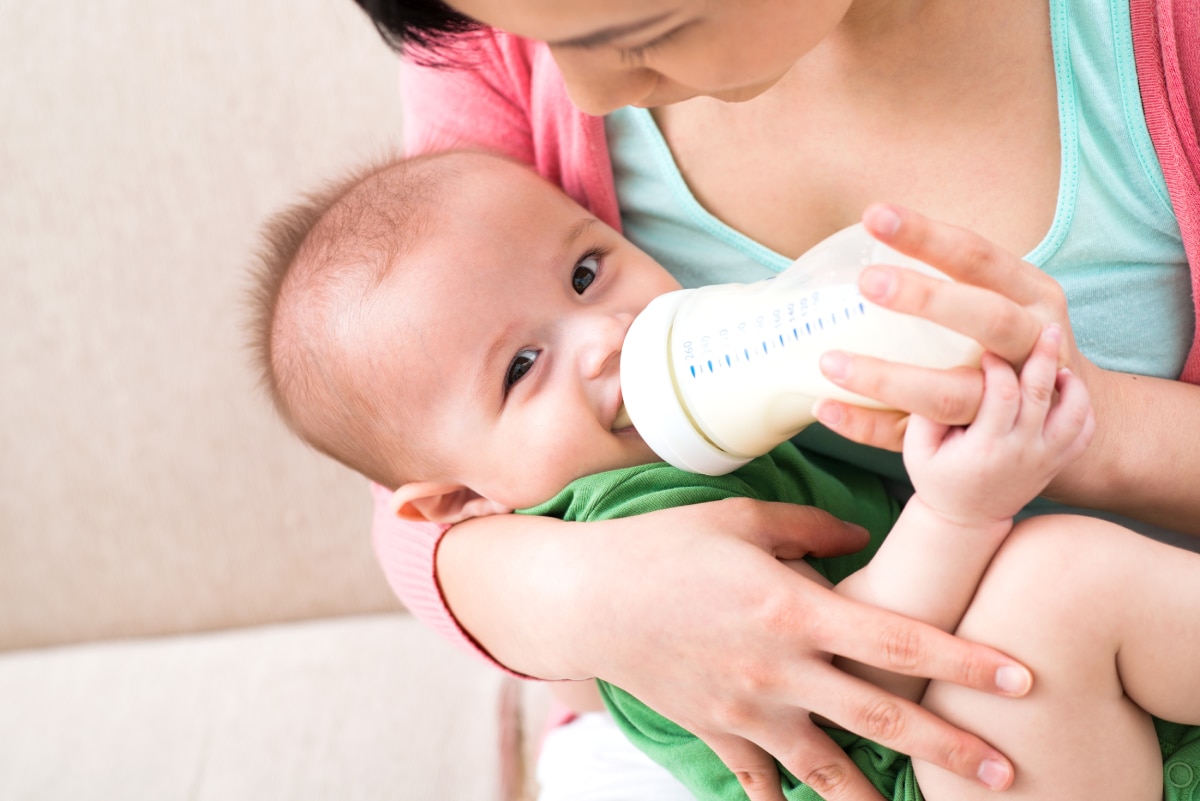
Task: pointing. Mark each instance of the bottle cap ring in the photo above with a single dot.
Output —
(654, 406)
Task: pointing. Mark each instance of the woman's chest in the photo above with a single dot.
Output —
(790, 185)
(971, 140)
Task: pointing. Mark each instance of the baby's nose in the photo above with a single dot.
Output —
(601, 342)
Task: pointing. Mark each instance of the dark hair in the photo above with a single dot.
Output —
(426, 24)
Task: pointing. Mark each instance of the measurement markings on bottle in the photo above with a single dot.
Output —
(759, 339)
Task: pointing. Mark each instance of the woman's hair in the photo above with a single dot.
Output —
(426, 24)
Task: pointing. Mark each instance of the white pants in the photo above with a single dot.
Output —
(589, 759)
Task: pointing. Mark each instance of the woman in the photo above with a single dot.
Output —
(772, 124)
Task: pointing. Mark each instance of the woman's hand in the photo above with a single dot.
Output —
(712, 631)
(1141, 462)
(996, 299)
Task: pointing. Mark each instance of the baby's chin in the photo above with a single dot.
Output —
(637, 454)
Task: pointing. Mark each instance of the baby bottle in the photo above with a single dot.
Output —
(715, 376)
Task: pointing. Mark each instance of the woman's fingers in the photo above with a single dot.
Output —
(959, 253)
(784, 530)
(899, 645)
(995, 321)
(754, 768)
(947, 396)
(814, 759)
(892, 642)
(879, 428)
(996, 299)
(861, 707)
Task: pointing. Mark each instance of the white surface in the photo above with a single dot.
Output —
(363, 708)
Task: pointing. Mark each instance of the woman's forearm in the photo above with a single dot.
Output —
(510, 582)
(1144, 461)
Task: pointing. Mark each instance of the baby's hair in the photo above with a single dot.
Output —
(319, 263)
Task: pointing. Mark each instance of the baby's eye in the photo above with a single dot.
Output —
(518, 367)
(585, 274)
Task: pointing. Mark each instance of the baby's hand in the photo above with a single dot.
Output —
(1022, 436)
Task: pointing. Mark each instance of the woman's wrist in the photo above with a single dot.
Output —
(1143, 458)
(1114, 468)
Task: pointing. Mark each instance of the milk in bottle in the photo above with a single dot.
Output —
(713, 377)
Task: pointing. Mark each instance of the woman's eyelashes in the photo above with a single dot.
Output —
(636, 56)
(521, 364)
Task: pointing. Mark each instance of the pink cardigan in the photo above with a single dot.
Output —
(519, 106)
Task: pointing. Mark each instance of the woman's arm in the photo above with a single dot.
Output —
(690, 610)
(1144, 459)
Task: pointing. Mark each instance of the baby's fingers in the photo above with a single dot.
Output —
(1001, 398)
(922, 438)
(1071, 422)
(1038, 378)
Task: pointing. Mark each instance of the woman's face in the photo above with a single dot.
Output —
(650, 53)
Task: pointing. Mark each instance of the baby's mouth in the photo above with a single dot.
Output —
(621, 421)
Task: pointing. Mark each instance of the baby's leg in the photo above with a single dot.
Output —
(1109, 623)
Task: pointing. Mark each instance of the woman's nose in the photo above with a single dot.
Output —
(597, 86)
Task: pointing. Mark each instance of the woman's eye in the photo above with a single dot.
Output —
(518, 367)
(636, 55)
(585, 274)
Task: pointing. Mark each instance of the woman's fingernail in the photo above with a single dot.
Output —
(860, 531)
(828, 413)
(884, 220)
(1013, 679)
(1054, 333)
(876, 284)
(995, 774)
(835, 365)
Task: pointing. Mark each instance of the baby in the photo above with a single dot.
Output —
(452, 326)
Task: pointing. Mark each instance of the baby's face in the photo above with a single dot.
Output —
(510, 364)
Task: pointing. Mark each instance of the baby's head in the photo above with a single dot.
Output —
(452, 325)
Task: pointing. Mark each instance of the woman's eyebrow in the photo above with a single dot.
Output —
(606, 35)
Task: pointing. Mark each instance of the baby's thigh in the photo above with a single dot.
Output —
(1050, 599)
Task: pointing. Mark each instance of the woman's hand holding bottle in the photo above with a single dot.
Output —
(1138, 461)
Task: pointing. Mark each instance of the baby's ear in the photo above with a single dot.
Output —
(442, 502)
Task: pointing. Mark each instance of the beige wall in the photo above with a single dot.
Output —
(145, 485)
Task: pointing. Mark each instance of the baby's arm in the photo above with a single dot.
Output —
(969, 483)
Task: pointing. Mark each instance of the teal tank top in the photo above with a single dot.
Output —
(1114, 244)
